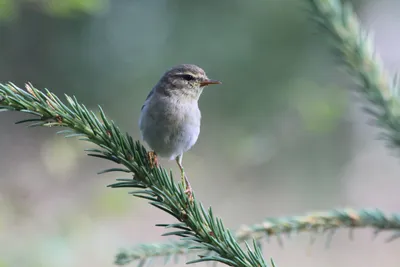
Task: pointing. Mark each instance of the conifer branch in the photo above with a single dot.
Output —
(353, 47)
(327, 222)
(196, 224)
(198, 227)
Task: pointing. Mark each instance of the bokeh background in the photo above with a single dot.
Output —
(282, 136)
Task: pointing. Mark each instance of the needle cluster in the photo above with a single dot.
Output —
(200, 231)
(196, 224)
(317, 223)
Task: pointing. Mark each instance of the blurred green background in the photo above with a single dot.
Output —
(282, 136)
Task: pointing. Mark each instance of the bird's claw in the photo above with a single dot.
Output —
(188, 187)
(152, 159)
(189, 193)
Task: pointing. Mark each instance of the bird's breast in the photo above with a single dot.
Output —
(188, 113)
(170, 127)
(183, 120)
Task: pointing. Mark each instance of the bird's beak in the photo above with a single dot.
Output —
(208, 82)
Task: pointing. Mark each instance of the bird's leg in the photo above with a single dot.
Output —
(185, 181)
(153, 159)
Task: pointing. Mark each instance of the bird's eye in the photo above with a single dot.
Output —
(187, 77)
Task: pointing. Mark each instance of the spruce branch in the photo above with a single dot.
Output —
(354, 48)
(196, 224)
(199, 229)
(316, 222)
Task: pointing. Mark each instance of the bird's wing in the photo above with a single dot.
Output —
(147, 98)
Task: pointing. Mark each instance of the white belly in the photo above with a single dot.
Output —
(170, 128)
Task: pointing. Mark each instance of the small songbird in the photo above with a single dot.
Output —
(170, 116)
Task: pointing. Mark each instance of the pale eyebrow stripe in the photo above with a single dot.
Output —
(188, 73)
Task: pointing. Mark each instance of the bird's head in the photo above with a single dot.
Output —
(184, 81)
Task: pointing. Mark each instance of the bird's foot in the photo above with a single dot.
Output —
(153, 159)
(189, 193)
(188, 187)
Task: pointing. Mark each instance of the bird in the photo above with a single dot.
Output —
(170, 116)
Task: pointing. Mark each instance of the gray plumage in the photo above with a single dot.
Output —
(170, 117)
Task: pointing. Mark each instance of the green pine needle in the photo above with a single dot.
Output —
(327, 222)
(353, 46)
(200, 229)
(156, 184)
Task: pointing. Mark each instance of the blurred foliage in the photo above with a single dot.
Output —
(328, 107)
(9, 9)
(280, 120)
(69, 7)
(113, 205)
(60, 167)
